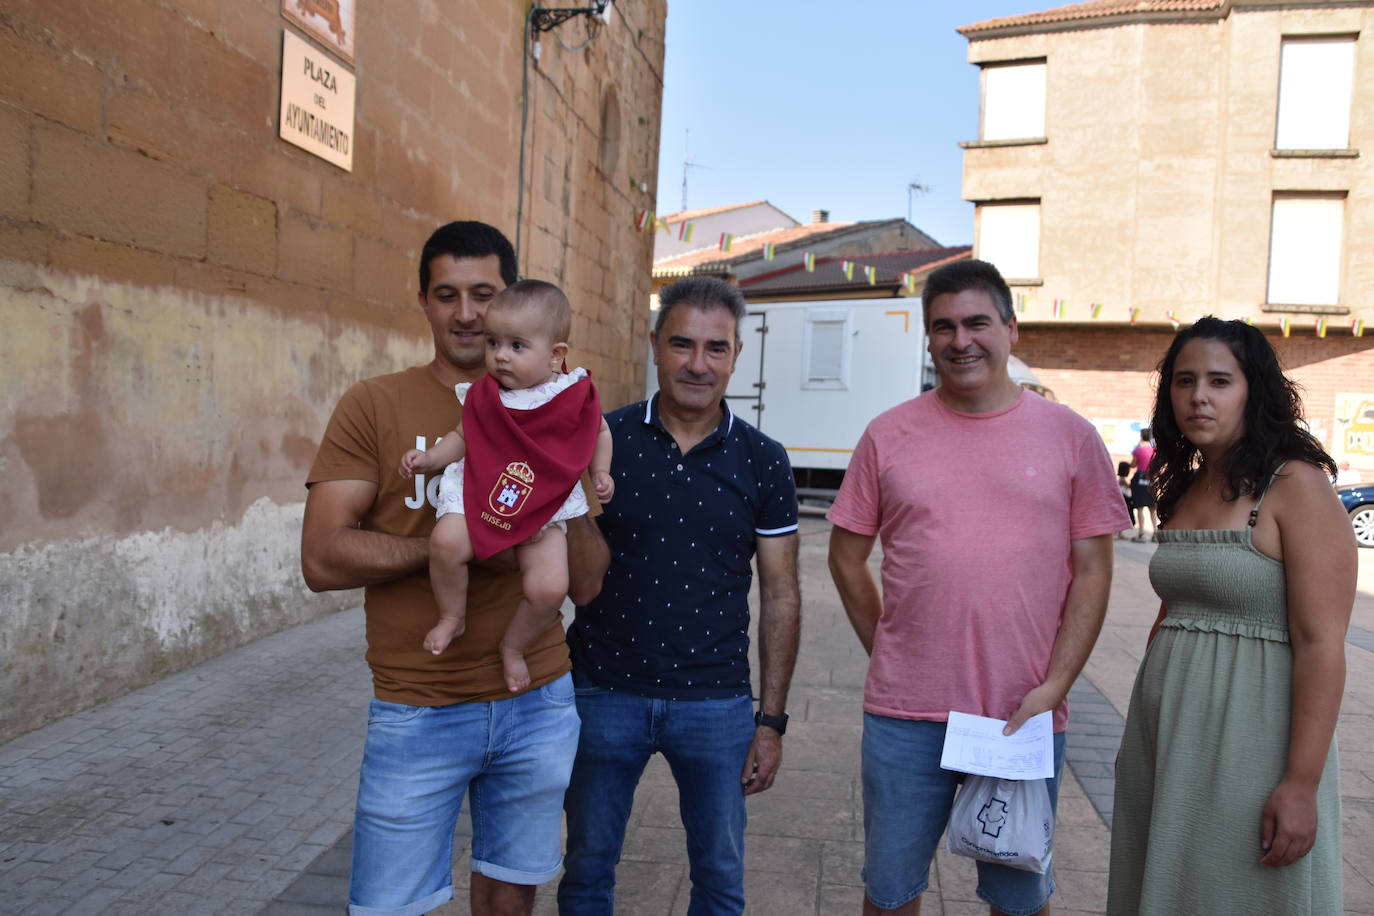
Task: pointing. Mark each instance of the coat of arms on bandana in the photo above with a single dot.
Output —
(513, 487)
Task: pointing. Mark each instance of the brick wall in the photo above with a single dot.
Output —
(187, 295)
(1111, 372)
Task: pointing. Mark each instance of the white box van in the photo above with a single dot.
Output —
(813, 374)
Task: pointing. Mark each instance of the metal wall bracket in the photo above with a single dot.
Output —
(546, 20)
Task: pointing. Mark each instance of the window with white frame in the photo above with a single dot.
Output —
(826, 345)
(1013, 101)
(1009, 238)
(1305, 237)
(1316, 78)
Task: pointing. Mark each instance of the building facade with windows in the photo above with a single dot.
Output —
(1142, 164)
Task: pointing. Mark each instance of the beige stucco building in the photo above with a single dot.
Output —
(185, 295)
(1145, 163)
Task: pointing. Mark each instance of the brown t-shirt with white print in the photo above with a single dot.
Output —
(376, 422)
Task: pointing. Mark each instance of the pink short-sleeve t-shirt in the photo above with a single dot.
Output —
(976, 514)
(1143, 454)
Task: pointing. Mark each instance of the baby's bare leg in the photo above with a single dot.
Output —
(450, 551)
(544, 578)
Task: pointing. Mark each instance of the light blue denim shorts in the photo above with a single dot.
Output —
(512, 758)
(907, 800)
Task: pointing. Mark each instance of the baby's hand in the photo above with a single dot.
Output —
(413, 461)
(605, 486)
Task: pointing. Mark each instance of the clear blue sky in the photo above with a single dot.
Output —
(838, 106)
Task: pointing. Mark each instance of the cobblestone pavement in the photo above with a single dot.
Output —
(228, 788)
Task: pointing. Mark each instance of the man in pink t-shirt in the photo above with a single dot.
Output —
(1141, 495)
(996, 510)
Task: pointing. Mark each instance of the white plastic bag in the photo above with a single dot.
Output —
(1009, 821)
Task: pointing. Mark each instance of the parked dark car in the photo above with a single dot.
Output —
(1358, 500)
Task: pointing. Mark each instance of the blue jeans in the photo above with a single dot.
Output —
(705, 743)
(907, 800)
(512, 756)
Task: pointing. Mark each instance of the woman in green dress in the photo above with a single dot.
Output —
(1227, 794)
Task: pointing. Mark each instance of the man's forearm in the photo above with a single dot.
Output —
(848, 562)
(779, 619)
(589, 557)
(1085, 607)
(862, 601)
(779, 637)
(353, 558)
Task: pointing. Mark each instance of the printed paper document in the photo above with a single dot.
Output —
(975, 744)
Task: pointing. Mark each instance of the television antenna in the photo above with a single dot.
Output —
(915, 188)
(687, 164)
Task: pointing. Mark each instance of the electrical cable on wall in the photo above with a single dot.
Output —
(524, 127)
(540, 19)
(593, 33)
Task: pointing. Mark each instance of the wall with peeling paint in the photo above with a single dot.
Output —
(184, 296)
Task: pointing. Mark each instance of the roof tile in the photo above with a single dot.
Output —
(829, 272)
(747, 247)
(684, 215)
(1096, 9)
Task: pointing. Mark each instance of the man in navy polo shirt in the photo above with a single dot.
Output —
(661, 656)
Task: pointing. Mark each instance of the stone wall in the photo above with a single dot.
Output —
(185, 295)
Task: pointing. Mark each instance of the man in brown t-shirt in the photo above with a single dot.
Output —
(441, 724)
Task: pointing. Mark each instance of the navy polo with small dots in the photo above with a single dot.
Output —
(672, 618)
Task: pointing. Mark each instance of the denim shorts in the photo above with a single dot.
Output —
(512, 757)
(907, 800)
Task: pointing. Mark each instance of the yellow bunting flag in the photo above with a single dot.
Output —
(809, 261)
(1059, 307)
(848, 268)
(769, 251)
(1357, 327)
(1135, 315)
(1021, 303)
(909, 280)
(1097, 309)
(1247, 319)
(871, 273)
(684, 231)
(1285, 326)
(726, 240)
(1173, 319)
(1321, 327)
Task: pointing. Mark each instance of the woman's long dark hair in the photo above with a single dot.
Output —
(1272, 432)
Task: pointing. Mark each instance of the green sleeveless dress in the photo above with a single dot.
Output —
(1206, 742)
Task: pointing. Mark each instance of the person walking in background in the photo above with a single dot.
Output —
(1123, 473)
(1226, 789)
(968, 618)
(1142, 499)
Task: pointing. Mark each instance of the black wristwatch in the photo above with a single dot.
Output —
(776, 723)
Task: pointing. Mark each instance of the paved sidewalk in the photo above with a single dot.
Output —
(207, 792)
(228, 789)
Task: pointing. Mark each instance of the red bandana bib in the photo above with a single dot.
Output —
(521, 464)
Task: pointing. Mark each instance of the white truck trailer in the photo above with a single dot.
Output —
(812, 374)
